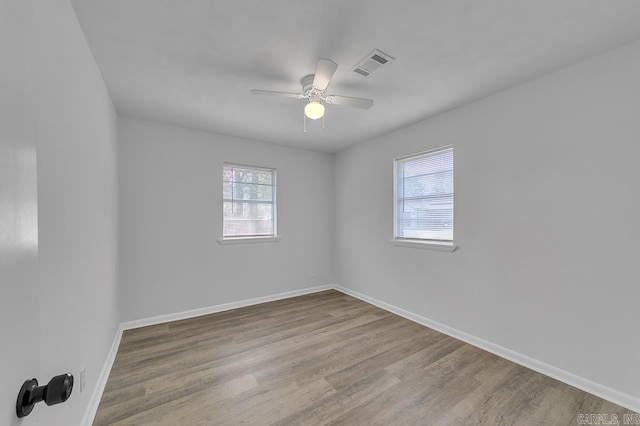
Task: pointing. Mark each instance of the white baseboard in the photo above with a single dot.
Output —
(96, 396)
(605, 392)
(219, 308)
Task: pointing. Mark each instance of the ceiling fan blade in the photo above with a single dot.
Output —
(325, 70)
(277, 94)
(348, 101)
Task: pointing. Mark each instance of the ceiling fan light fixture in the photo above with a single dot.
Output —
(314, 110)
(313, 89)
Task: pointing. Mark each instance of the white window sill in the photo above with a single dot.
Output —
(248, 240)
(429, 245)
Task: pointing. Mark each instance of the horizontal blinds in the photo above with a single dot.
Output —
(248, 201)
(424, 196)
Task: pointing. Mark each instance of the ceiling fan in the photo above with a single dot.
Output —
(313, 89)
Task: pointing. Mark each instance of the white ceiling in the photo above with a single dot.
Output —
(193, 62)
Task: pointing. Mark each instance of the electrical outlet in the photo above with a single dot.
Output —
(83, 378)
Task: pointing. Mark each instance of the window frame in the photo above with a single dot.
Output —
(239, 239)
(439, 245)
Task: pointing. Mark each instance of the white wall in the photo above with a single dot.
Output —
(171, 219)
(19, 339)
(77, 203)
(546, 181)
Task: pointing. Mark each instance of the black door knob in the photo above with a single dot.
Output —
(56, 391)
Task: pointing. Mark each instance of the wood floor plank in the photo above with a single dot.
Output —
(324, 358)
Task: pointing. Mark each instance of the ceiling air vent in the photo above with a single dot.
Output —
(372, 62)
(362, 71)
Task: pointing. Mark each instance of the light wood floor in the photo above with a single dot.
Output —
(325, 358)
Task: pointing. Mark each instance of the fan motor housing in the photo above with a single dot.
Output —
(307, 83)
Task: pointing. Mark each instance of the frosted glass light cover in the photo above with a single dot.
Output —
(314, 110)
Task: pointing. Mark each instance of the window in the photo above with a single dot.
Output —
(423, 205)
(249, 208)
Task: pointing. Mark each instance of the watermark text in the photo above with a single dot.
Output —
(608, 419)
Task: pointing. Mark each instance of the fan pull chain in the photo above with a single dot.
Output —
(323, 117)
(304, 122)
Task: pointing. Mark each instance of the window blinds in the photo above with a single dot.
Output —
(424, 196)
(249, 201)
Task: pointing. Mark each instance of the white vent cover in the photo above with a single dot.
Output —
(372, 62)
